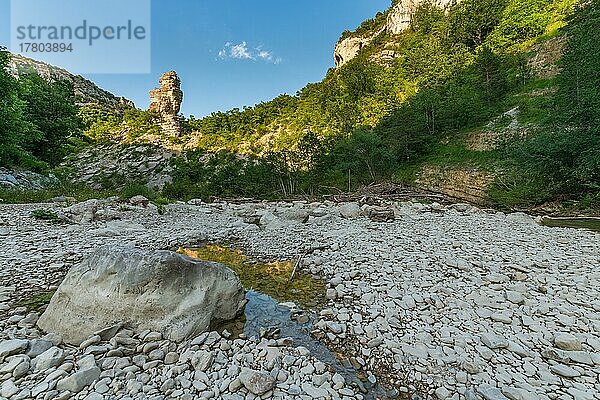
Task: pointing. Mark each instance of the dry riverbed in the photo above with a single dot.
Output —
(447, 302)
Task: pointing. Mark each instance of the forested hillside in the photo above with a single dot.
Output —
(471, 98)
(492, 101)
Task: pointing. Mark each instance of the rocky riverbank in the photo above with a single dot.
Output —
(447, 302)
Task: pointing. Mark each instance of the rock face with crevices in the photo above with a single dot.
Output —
(158, 290)
(25, 180)
(116, 165)
(85, 91)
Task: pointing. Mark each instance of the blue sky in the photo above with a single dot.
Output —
(235, 53)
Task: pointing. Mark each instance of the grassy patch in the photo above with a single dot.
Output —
(46, 215)
(78, 192)
(271, 278)
(37, 302)
(138, 189)
(536, 102)
(407, 173)
(578, 223)
(458, 155)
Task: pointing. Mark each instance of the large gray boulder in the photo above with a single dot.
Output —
(157, 290)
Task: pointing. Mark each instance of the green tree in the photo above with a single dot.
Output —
(492, 73)
(364, 155)
(14, 129)
(471, 21)
(565, 160)
(521, 21)
(51, 108)
(428, 19)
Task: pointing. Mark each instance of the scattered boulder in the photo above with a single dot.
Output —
(568, 342)
(52, 357)
(294, 214)
(37, 347)
(157, 290)
(349, 210)
(381, 214)
(256, 382)
(494, 341)
(490, 392)
(8, 389)
(139, 201)
(79, 380)
(117, 228)
(62, 200)
(82, 213)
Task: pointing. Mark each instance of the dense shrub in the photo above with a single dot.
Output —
(51, 109)
(37, 119)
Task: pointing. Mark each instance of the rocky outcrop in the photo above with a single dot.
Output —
(545, 56)
(349, 48)
(158, 290)
(498, 131)
(86, 91)
(115, 165)
(401, 14)
(166, 101)
(398, 20)
(25, 180)
(467, 184)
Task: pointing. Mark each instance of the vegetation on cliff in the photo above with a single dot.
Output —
(563, 160)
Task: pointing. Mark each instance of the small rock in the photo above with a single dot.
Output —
(8, 389)
(37, 347)
(79, 380)
(568, 342)
(139, 201)
(490, 392)
(256, 382)
(52, 357)
(11, 347)
(494, 341)
(564, 371)
(442, 393)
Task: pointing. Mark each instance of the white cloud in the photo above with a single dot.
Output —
(241, 51)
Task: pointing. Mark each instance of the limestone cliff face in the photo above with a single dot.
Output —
(349, 48)
(86, 91)
(166, 101)
(398, 20)
(401, 14)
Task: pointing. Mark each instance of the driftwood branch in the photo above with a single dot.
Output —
(298, 261)
(377, 193)
(304, 254)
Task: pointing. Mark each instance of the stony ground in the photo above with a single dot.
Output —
(443, 302)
